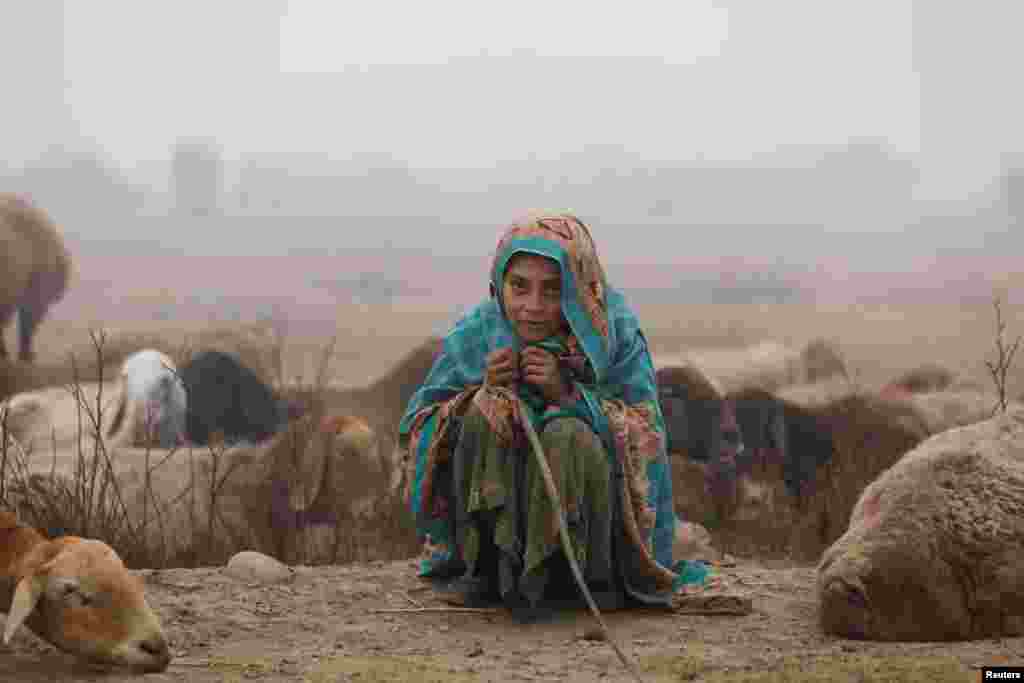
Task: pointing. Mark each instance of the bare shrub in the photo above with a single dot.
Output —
(1000, 367)
(88, 501)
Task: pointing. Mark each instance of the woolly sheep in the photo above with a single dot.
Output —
(152, 404)
(766, 365)
(34, 269)
(935, 545)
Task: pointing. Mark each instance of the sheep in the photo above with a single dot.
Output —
(17, 378)
(382, 403)
(927, 412)
(767, 365)
(820, 360)
(942, 410)
(319, 477)
(924, 378)
(51, 419)
(793, 433)
(35, 267)
(357, 441)
(327, 430)
(151, 403)
(784, 450)
(934, 549)
(703, 434)
(76, 594)
(225, 396)
(691, 404)
(294, 487)
(334, 463)
(819, 393)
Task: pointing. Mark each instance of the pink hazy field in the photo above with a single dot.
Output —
(175, 294)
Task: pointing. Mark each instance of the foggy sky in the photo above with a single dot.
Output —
(463, 84)
(727, 79)
(307, 75)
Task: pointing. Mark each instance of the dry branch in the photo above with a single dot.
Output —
(999, 368)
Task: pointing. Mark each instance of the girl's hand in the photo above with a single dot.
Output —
(540, 368)
(502, 368)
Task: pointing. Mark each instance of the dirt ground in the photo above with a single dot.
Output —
(324, 625)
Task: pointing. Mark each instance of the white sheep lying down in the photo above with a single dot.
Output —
(144, 404)
(935, 545)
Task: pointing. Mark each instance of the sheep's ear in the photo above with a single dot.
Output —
(26, 596)
(8, 520)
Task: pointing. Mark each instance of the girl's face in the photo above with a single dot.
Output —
(532, 294)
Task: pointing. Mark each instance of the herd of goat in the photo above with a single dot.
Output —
(742, 425)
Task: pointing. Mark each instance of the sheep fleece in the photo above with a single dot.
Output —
(935, 546)
(30, 246)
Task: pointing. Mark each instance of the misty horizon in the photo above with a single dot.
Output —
(458, 87)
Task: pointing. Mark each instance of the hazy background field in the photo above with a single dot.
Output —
(878, 341)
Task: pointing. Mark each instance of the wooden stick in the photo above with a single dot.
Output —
(563, 532)
(425, 610)
(712, 611)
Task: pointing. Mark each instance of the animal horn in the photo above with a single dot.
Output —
(26, 597)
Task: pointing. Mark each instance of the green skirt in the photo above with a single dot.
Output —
(505, 522)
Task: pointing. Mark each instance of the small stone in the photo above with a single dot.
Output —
(254, 567)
